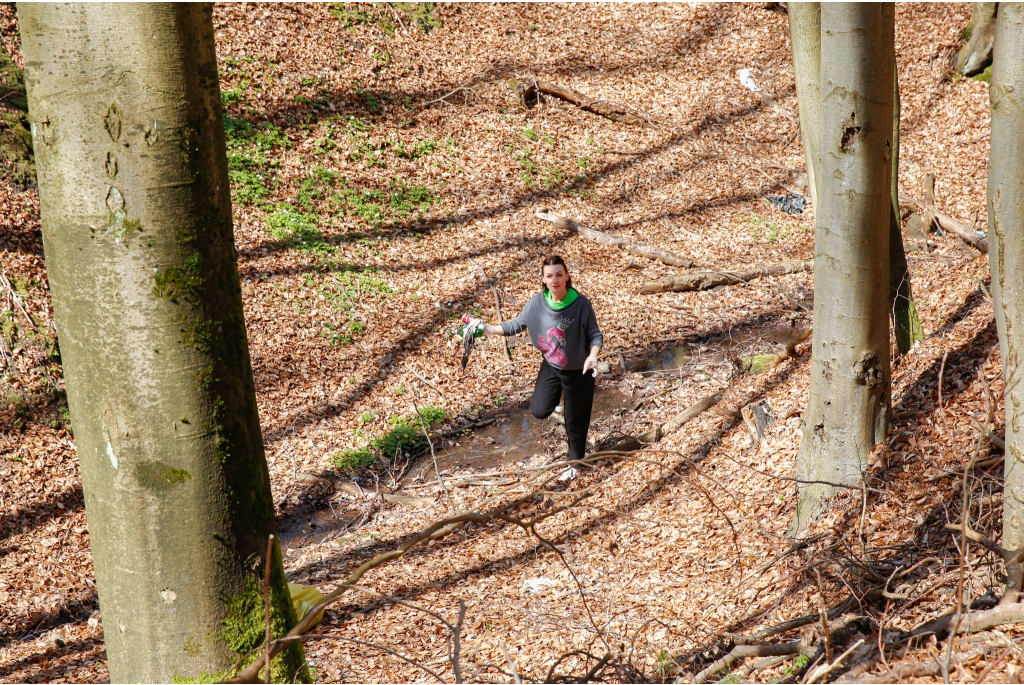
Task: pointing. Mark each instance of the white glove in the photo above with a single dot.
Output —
(590, 363)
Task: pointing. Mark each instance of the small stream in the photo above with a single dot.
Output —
(516, 436)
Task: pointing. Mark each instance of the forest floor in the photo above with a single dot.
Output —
(385, 176)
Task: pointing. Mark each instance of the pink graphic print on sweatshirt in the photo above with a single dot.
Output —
(551, 345)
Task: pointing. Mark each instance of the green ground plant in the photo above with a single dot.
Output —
(405, 438)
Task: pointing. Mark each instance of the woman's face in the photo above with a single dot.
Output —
(555, 277)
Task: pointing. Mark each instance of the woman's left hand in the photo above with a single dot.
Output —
(590, 363)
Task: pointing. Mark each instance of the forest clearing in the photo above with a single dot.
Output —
(394, 166)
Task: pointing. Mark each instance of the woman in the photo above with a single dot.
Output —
(562, 324)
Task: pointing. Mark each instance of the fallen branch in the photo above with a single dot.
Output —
(705, 280)
(947, 223)
(609, 239)
(530, 96)
(746, 651)
(434, 531)
(671, 426)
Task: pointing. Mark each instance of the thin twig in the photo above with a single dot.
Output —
(433, 455)
(511, 664)
(428, 384)
(266, 606)
(942, 368)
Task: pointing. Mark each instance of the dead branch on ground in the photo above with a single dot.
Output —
(609, 239)
(947, 223)
(705, 280)
(530, 95)
(670, 426)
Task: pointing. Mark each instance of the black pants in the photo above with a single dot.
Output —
(579, 400)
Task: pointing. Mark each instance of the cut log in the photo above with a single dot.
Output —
(705, 280)
(530, 96)
(948, 223)
(609, 239)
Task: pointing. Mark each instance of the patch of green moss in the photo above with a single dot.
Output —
(984, 76)
(183, 281)
(245, 627)
(15, 135)
(159, 476)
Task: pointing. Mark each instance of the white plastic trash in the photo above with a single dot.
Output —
(747, 81)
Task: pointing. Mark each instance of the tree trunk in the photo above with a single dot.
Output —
(127, 124)
(1006, 224)
(977, 54)
(849, 405)
(906, 324)
(805, 36)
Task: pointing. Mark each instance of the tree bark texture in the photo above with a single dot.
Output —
(1006, 224)
(127, 123)
(805, 36)
(849, 405)
(906, 323)
(977, 54)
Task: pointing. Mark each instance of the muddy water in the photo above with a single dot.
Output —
(672, 358)
(514, 436)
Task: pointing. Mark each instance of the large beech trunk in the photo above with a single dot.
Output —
(849, 406)
(127, 125)
(1006, 224)
(805, 36)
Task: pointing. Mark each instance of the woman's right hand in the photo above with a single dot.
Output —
(492, 330)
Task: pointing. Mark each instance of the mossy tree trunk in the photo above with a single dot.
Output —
(805, 37)
(977, 53)
(849, 405)
(906, 323)
(1006, 257)
(124, 104)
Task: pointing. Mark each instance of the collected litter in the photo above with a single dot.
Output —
(790, 203)
(747, 81)
(473, 329)
(538, 584)
(304, 598)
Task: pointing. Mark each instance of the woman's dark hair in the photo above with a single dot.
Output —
(555, 260)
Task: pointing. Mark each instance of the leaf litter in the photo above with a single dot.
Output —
(384, 179)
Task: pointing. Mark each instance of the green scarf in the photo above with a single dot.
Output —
(570, 297)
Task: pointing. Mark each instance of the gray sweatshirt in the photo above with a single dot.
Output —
(564, 336)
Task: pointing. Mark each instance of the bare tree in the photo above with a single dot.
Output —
(127, 124)
(849, 406)
(977, 53)
(1006, 221)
